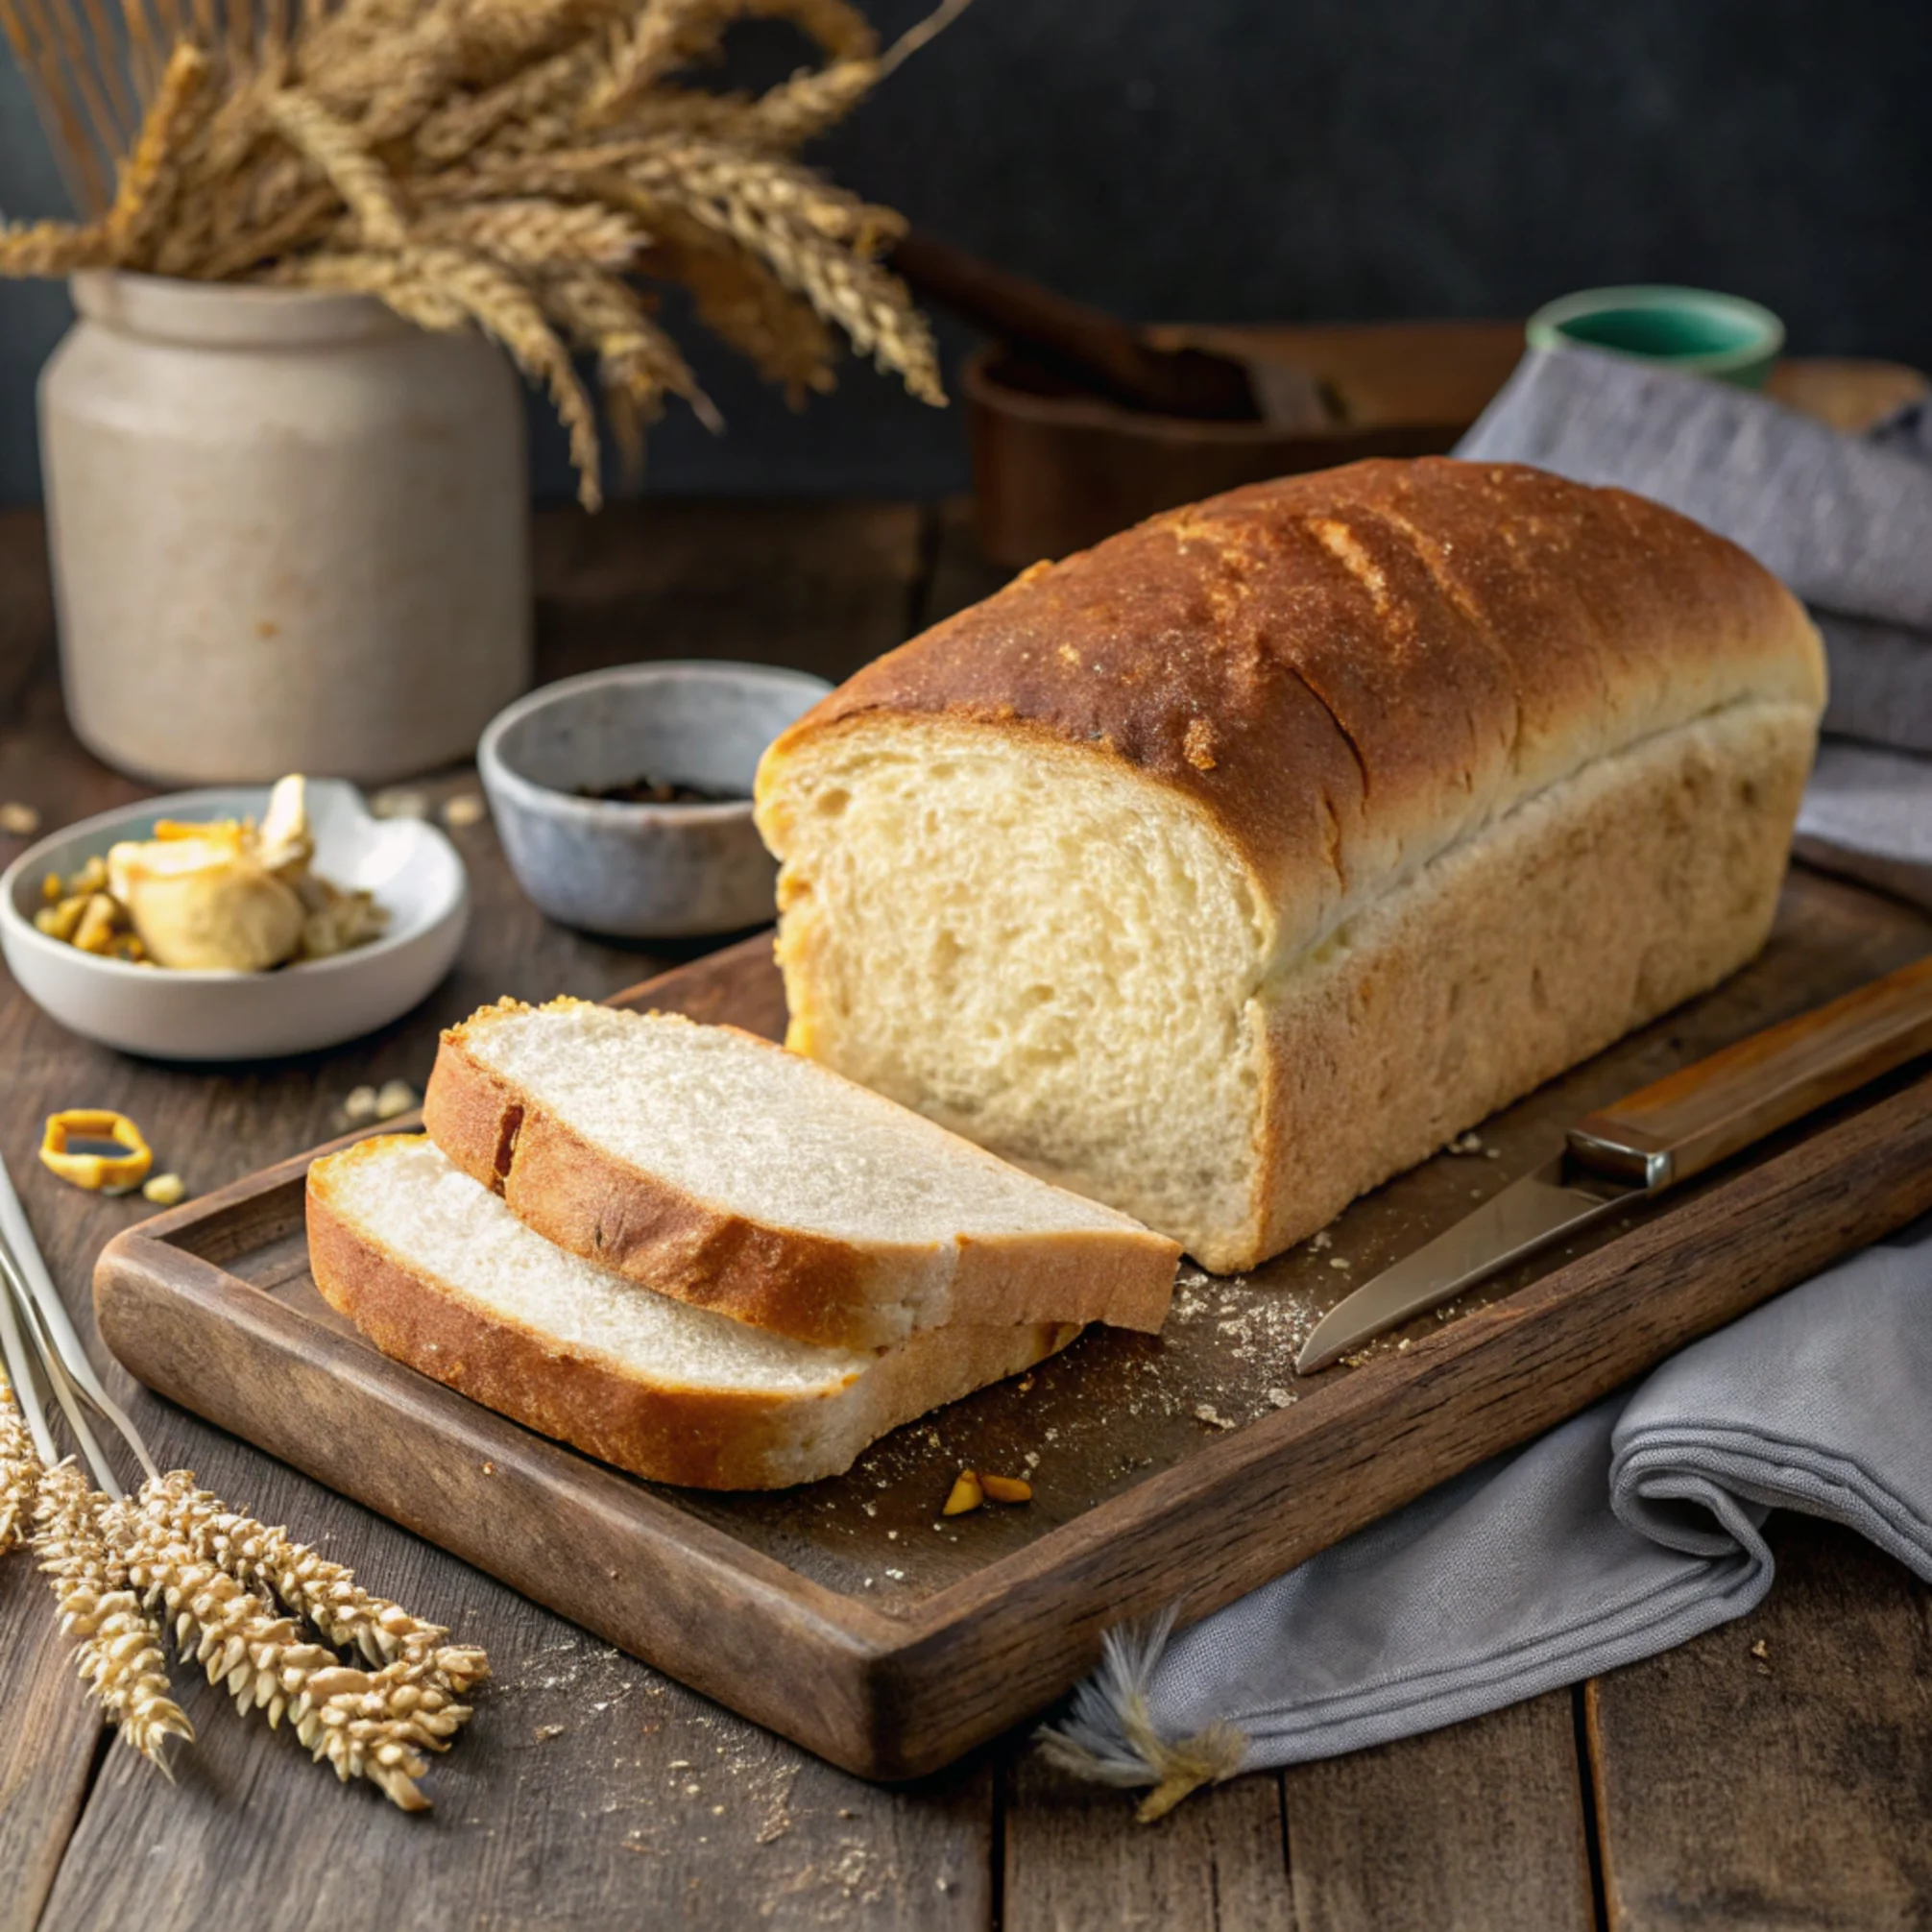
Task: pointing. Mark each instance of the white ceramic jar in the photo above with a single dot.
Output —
(290, 532)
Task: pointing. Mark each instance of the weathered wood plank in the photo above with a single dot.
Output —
(1075, 1861)
(48, 1737)
(1476, 1829)
(1737, 1791)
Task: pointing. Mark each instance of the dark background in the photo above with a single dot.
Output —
(1311, 160)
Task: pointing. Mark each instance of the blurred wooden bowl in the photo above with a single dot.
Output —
(1056, 468)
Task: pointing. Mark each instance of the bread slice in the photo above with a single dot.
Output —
(440, 1275)
(713, 1166)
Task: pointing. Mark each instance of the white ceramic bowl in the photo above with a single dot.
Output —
(642, 871)
(410, 867)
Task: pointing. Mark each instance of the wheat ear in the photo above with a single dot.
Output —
(153, 172)
(534, 232)
(119, 1650)
(308, 1584)
(371, 1725)
(19, 1471)
(364, 184)
(52, 249)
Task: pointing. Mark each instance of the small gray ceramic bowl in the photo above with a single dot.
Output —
(642, 871)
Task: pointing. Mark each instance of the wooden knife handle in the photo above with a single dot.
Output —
(1682, 1124)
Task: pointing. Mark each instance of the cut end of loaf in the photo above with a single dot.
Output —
(1034, 948)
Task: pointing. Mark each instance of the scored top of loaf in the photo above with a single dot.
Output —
(1350, 671)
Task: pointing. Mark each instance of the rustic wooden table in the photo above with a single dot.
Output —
(1777, 1773)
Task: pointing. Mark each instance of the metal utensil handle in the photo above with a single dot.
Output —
(55, 1331)
(1690, 1120)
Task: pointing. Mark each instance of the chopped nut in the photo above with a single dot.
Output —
(397, 1097)
(1007, 1489)
(165, 1190)
(50, 887)
(22, 821)
(1337, 1261)
(1760, 1650)
(100, 917)
(60, 921)
(359, 1106)
(92, 877)
(398, 801)
(465, 809)
(966, 1494)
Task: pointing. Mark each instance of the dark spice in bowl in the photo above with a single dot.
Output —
(660, 791)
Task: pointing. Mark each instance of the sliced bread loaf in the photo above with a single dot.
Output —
(713, 1166)
(440, 1275)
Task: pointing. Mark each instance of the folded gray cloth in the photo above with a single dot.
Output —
(1634, 1525)
(1868, 815)
(1846, 520)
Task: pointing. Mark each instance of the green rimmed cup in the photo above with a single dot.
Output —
(1694, 330)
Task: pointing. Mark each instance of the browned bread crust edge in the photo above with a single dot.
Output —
(1521, 625)
(708, 1438)
(814, 1288)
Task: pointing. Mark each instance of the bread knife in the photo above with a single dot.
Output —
(1644, 1144)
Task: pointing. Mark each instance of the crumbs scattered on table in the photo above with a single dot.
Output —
(1465, 1144)
(165, 1190)
(367, 1104)
(465, 809)
(1340, 1261)
(1205, 1412)
(18, 820)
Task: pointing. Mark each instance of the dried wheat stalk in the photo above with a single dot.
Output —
(375, 1725)
(19, 1471)
(308, 1584)
(487, 163)
(119, 1649)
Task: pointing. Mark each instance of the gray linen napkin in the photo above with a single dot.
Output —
(1868, 815)
(1846, 520)
(1632, 1528)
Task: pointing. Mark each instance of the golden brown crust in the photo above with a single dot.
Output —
(1333, 663)
(1527, 951)
(710, 1439)
(814, 1288)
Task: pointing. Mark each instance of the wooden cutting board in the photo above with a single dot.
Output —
(1189, 1467)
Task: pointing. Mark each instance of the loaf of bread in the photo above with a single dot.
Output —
(705, 1163)
(1226, 869)
(440, 1275)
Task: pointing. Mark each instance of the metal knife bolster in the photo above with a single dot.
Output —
(1625, 1154)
